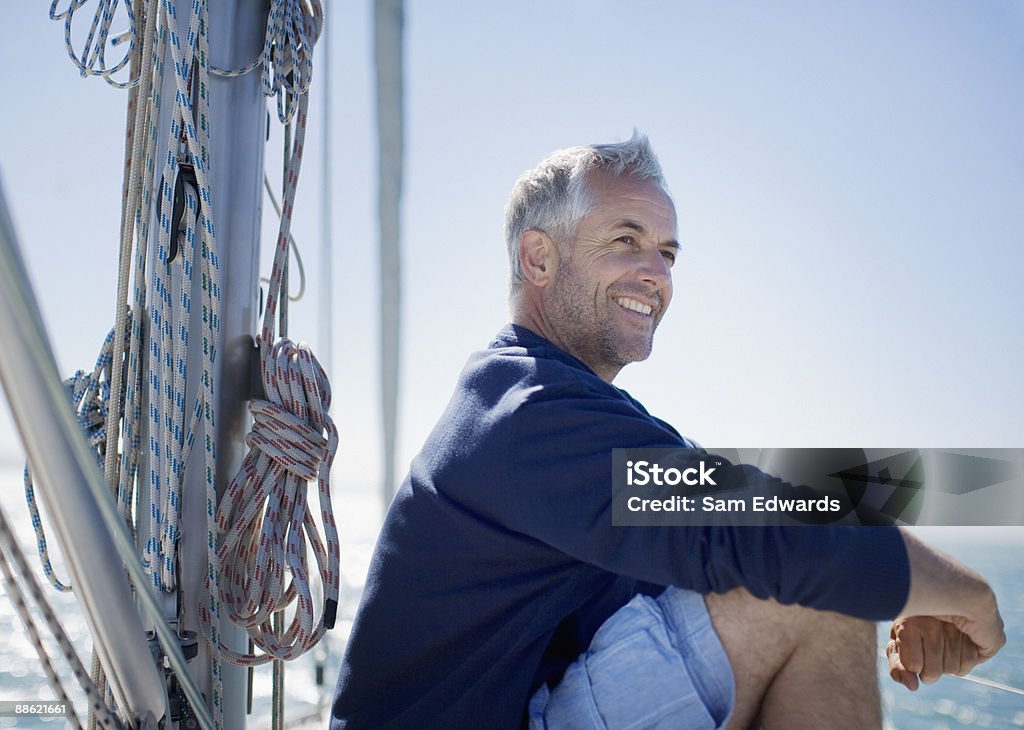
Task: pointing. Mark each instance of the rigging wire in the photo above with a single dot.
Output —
(971, 678)
(9, 546)
(293, 246)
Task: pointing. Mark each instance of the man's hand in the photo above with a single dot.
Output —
(950, 624)
(927, 647)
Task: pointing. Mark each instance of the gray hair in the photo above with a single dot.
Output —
(553, 196)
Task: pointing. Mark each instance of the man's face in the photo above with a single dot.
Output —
(614, 281)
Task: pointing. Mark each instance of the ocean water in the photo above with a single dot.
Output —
(948, 704)
(956, 703)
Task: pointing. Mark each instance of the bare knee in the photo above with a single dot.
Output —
(776, 650)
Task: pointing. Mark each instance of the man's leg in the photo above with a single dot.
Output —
(796, 667)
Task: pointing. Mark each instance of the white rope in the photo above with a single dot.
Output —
(170, 439)
(989, 683)
(121, 473)
(266, 516)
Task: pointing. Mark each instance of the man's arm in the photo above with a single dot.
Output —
(951, 621)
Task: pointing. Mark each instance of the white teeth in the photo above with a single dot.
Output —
(634, 305)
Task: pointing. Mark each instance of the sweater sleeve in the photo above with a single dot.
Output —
(554, 484)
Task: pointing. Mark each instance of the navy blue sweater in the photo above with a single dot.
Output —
(498, 559)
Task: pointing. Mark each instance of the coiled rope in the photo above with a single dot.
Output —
(268, 524)
(287, 58)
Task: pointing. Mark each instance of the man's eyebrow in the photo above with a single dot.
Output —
(639, 228)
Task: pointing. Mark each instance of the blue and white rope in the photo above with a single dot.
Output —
(292, 30)
(166, 379)
(167, 368)
(93, 60)
(90, 395)
(286, 58)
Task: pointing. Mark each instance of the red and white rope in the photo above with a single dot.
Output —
(268, 523)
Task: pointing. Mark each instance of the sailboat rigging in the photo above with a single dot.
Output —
(180, 359)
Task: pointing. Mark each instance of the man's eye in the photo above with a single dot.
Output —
(628, 240)
(669, 256)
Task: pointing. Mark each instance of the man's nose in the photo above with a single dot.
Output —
(654, 269)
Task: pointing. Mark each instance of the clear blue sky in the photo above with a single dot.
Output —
(849, 179)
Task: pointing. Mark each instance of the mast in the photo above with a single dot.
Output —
(388, 20)
(238, 128)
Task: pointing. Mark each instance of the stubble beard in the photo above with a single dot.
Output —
(588, 336)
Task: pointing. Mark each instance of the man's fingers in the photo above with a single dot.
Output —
(952, 656)
(988, 636)
(908, 645)
(897, 671)
(907, 679)
(970, 657)
(934, 653)
(927, 639)
(923, 648)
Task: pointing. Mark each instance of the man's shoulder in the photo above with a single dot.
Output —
(523, 377)
(521, 366)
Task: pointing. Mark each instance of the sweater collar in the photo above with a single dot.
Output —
(515, 335)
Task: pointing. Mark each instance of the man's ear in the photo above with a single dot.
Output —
(538, 256)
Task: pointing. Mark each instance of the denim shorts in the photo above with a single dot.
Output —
(655, 663)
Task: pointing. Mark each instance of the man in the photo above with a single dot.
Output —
(500, 594)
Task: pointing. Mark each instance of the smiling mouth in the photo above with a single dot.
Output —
(634, 306)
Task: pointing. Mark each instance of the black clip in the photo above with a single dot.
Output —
(186, 174)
